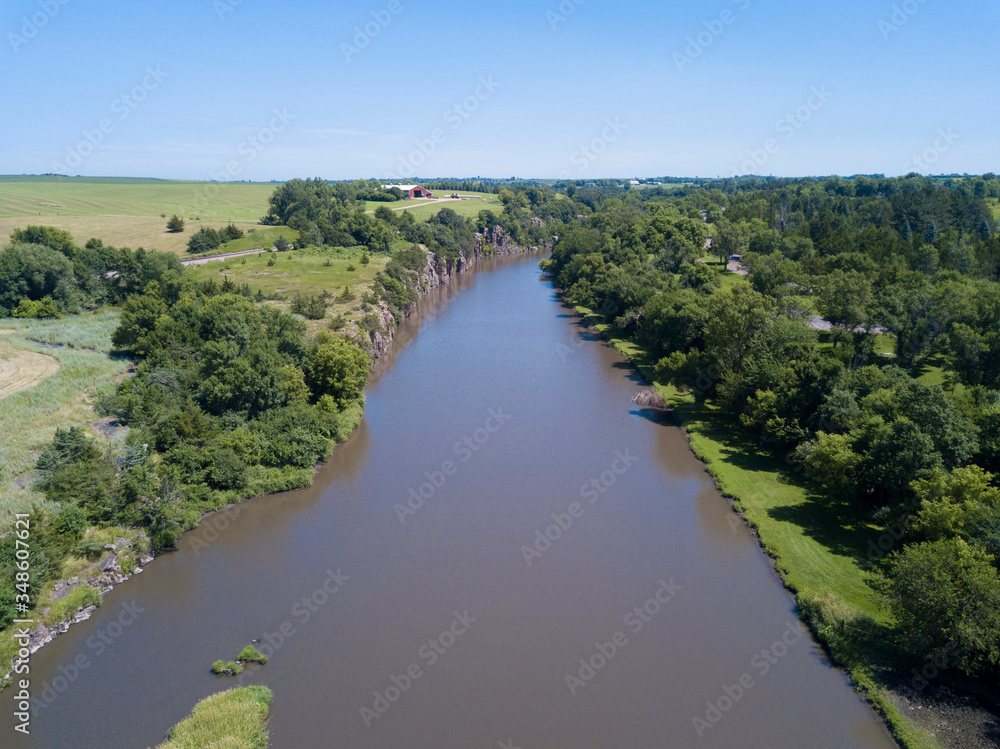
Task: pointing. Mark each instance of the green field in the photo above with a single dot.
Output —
(424, 209)
(29, 418)
(128, 213)
(301, 273)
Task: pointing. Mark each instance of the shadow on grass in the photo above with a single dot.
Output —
(837, 525)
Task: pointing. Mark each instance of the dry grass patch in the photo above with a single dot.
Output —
(20, 370)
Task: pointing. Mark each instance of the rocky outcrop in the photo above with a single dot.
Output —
(381, 335)
(439, 271)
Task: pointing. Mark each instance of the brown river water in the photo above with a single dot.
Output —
(563, 574)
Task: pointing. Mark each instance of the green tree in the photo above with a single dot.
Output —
(48, 236)
(175, 224)
(844, 299)
(946, 597)
(956, 504)
(730, 238)
(339, 369)
(34, 271)
(736, 316)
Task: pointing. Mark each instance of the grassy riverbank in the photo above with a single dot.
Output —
(820, 548)
(235, 719)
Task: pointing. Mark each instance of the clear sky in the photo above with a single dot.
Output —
(260, 90)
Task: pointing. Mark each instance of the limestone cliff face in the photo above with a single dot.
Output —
(381, 336)
(439, 272)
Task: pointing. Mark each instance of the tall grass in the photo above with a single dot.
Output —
(29, 418)
(235, 719)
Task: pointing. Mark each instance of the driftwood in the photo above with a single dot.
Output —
(649, 399)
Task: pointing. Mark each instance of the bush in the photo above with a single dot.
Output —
(346, 296)
(250, 654)
(90, 548)
(205, 240)
(351, 268)
(272, 261)
(175, 224)
(946, 597)
(230, 233)
(310, 307)
(365, 259)
(338, 322)
(44, 308)
(225, 470)
(229, 668)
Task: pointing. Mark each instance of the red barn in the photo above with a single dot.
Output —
(411, 191)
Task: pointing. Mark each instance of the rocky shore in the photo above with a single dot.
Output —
(125, 557)
(439, 272)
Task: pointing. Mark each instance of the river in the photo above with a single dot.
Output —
(564, 573)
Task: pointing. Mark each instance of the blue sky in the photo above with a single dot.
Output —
(250, 89)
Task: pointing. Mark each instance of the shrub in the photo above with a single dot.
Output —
(365, 259)
(310, 307)
(338, 322)
(43, 308)
(229, 668)
(89, 548)
(250, 654)
(175, 225)
(346, 296)
(351, 268)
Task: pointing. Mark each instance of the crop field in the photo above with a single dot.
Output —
(65, 364)
(129, 213)
(133, 212)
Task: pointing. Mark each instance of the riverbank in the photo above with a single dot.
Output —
(821, 551)
(73, 598)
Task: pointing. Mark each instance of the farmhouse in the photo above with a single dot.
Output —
(411, 191)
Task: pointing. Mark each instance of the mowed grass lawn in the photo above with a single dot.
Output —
(424, 209)
(29, 417)
(127, 213)
(817, 544)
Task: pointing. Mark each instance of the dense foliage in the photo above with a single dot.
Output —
(904, 272)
